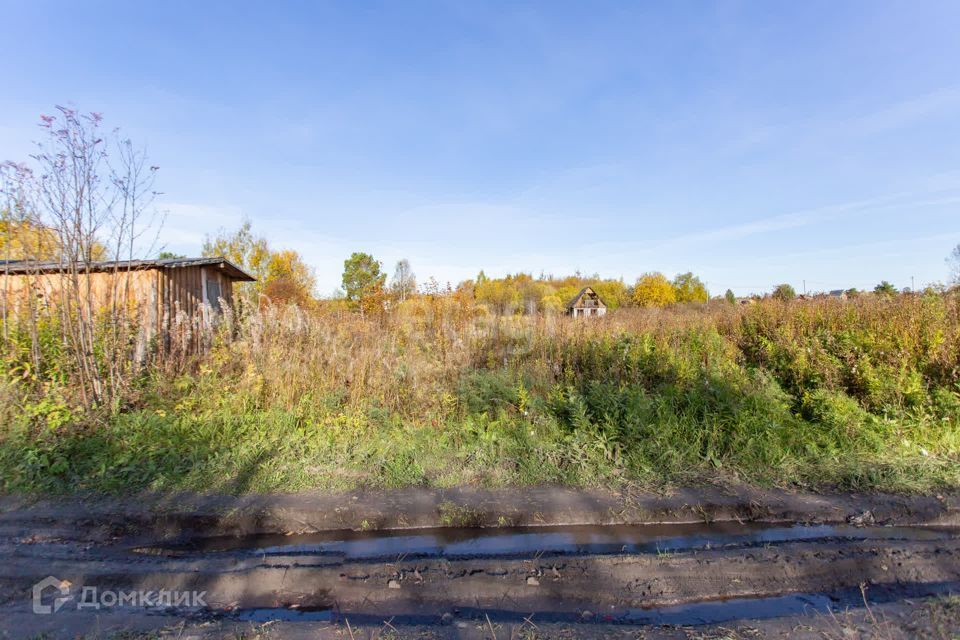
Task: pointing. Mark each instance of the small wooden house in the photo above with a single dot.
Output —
(586, 304)
(153, 291)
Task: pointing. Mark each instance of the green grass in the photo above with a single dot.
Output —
(603, 436)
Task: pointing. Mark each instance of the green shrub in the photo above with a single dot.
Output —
(486, 391)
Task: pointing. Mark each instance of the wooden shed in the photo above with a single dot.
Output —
(154, 291)
(586, 304)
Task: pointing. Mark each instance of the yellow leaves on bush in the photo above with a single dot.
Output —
(29, 240)
(498, 295)
(654, 290)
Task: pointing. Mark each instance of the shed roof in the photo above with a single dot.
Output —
(583, 291)
(230, 270)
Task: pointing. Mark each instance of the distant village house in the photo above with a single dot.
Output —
(586, 304)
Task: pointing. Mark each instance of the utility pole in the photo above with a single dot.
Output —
(804, 286)
(912, 289)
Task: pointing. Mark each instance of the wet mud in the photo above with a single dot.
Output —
(280, 567)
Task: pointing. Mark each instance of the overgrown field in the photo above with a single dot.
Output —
(859, 394)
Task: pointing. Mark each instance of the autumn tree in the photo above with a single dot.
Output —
(289, 279)
(530, 291)
(249, 252)
(613, 292)
(690, 288)
(552, 304)
(241, 247)
(653, 290)
(730, 297)
(568, 289)
(523, 293)
(499, 295)
(404, 282)
(25, 236)
(25, 239)
(282, 276)
(784, 292)
(885, 289)
(363, 281)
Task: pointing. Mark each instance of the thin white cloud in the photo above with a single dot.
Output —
(907, 112)
(906, 201)
(830, 130)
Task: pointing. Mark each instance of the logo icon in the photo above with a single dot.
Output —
(50, 582)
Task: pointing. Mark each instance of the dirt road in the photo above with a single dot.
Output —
(456, 563)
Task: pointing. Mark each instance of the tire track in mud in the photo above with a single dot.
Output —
(287, 562)
(563, 586)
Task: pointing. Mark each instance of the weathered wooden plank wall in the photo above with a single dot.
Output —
(158, 297)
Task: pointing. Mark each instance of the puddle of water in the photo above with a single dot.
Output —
(267, 614)
(505, 542)
(734, 609)
(719, 611)
(690, 614)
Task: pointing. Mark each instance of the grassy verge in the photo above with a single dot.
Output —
(851, 395)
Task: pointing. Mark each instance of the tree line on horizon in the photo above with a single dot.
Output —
(284, 277)
(367, 287)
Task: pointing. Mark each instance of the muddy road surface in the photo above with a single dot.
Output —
(480, 564)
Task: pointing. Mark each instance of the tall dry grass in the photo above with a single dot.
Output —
(862, 394)
(888, 354)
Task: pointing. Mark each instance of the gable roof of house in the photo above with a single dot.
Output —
(583, 291)
(229, 269)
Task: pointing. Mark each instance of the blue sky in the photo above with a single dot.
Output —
(750, 142)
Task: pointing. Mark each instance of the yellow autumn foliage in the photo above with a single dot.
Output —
(654, 290)
(29, 240)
